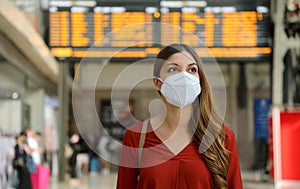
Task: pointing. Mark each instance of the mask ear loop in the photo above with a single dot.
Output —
(156, 77)
(159, 79)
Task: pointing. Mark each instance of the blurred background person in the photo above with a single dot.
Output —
(33, 145)
(22, 152)
(79, 147)
(37, 150)
(7, 154)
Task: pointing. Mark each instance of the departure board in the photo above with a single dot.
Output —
(230, 36)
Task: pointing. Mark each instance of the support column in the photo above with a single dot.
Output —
(281, 44)
(278, 53)
(63, 95)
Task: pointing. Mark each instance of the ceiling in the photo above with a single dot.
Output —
(23, 47)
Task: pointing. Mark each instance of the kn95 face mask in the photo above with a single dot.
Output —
(181, 89)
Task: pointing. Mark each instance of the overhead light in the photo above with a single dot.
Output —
(164, 10)
(228, 9)
(78, 9)
(106, 9)
(9, 94)
(179, 4)
(118, 9)
(85, 3)
(15, 95)
(53, 9)
(195, 3)
(171, 4)
(189, 10)
(217, 10)
(68, 3)
(262, 9)
(60, 3)
(151, 9)
(98, 9)
(208, 9)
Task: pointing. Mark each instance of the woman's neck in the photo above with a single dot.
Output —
(173, 125)
(175, 116)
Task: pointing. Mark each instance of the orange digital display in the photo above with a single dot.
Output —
(59, 29)
(243, 34)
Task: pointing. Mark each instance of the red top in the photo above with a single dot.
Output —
(161, 169)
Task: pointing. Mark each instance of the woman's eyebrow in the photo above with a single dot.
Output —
(193, 64)
(172, 63)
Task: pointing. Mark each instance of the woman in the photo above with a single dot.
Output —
(22, 152)
(188, 146)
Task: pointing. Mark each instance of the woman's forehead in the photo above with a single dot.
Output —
(182, 57)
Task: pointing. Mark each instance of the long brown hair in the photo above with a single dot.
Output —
(209, 132)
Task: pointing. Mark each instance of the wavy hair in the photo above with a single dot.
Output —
(209, 133)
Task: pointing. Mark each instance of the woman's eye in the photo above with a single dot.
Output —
(172, 69)
(193, 70)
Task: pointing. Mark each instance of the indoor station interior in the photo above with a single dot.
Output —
(75, 74)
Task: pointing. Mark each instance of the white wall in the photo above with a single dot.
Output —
(13, 80)
(35, 99)
(11, 116)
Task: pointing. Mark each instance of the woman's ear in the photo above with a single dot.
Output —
(157, 83)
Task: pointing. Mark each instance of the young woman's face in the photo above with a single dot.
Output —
(179, 62)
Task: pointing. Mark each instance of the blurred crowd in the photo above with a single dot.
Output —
(7, 143)
(81, 159)
(19, 155)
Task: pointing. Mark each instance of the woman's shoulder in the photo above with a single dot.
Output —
(228, 132)
(134, 128)
(230, 137)
(132, 134)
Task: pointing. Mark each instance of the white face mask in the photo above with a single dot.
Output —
(181, 89)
